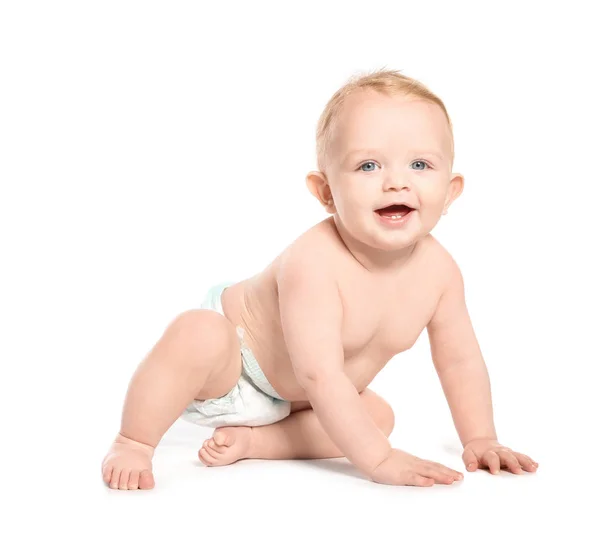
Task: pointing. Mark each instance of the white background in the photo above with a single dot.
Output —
(151, 149)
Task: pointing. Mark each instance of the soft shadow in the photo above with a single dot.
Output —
(337, 466)
(343, 466)
(452, 449)
(182, 435)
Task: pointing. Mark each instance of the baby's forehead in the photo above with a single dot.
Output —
(389, 112)
(371, 118)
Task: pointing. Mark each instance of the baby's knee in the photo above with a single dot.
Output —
(382, 412)
(201, 337)
(387, 419)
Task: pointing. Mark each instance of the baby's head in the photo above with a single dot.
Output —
(384, 139)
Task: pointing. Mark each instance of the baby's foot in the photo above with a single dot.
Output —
(227, 445)
(128, 465)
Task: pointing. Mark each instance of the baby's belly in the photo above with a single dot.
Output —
(263, 335)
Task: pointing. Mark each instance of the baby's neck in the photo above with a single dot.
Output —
(374, 260)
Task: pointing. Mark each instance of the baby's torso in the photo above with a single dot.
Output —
(382, 315)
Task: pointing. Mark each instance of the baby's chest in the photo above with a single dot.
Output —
(384, 323)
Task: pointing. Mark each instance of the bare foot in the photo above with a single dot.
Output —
(227, 445)
(128, 465)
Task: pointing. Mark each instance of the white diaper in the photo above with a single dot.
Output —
(252, 401)
(245, 404)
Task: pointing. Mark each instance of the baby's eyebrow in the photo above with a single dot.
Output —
(352, 152)
(436, 155)
(372, 150)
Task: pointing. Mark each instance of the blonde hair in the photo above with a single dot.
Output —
(385, 81)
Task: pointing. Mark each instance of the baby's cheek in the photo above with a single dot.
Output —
(432, 205)
(429, 217)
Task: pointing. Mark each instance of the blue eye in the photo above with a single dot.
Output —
(420, 161)
(368, 162)
(426, 165)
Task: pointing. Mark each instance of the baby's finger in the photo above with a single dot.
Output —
(417, 480)
(526, 462)
(437, 472)
(445, 469)
(492, 460)
(510, 461)
(470, 460)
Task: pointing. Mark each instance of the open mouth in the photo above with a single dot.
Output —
(395, 211)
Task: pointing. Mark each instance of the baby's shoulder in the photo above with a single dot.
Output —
(319, 245)
(436, 257)
(434, 251)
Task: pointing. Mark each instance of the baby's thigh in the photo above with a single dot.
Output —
(213, 346)
(297, 406)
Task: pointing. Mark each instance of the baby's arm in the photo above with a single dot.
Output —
(464, 377)
(311, 318)
(459, 362)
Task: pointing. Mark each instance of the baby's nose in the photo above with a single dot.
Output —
(396, 181)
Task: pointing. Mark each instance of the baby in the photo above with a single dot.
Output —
(280, 364)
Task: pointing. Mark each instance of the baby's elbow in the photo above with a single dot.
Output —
(314, 378)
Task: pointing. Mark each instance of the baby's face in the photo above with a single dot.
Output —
(391, 150)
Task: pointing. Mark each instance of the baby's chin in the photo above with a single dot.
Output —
(390, 241)
(392, 246)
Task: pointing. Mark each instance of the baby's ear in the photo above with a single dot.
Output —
(318, 186)
(455, 188)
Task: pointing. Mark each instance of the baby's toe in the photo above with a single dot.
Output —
(107, 474)
(224, 436)
(146, 480)
(205, 457)
(114, 480)
(214, 448)
(134, 480)
(124, 478)
(212, 452)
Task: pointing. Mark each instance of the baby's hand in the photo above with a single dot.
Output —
(401, 468)
(488, 453)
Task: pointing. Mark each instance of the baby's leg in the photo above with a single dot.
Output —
(298, 436)
(198, 356)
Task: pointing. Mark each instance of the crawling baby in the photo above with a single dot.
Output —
(262, 360)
